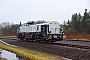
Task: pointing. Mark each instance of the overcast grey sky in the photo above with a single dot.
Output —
(26, 10)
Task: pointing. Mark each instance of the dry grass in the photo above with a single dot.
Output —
(28, 54)
(3, 59)
(69, 36)
(77, 37)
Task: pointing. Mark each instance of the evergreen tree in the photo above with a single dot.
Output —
(85, 22)
(80, 23)
(75, 22)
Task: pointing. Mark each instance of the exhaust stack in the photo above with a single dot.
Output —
(20, 23)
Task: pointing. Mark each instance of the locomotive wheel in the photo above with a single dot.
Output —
(27, 40)
(21, 39)
(45, 41)
(51, 42)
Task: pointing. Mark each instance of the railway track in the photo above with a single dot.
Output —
(67, 45)
(61, 44)
(73, 46)
(71, 51)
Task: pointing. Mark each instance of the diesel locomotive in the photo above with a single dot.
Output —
(45, 32)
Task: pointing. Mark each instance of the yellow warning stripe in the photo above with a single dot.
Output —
(50, 37)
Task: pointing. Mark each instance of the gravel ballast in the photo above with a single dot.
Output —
(62, 51)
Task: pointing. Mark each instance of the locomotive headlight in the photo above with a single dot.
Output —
(63, 33)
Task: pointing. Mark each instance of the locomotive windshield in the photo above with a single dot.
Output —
(25, 24)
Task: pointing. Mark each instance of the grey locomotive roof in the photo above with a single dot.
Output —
(43, 24)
